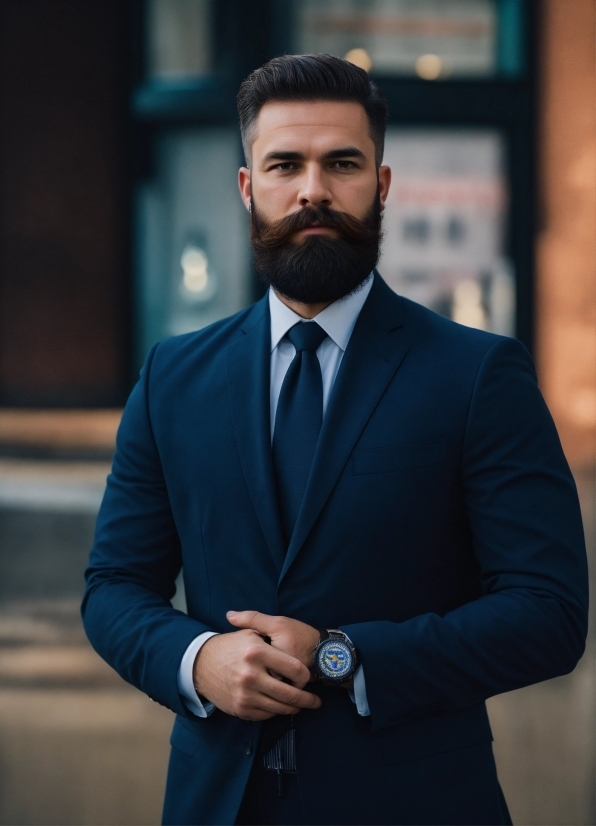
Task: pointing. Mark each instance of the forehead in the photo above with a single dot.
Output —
(313, 126)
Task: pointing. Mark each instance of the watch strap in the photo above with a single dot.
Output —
(323, 635)
(332, 634)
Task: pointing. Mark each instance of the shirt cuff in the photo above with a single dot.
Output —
(186, 686)
(358, 693)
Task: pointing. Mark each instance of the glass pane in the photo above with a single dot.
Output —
(444, 225)
(192, 236)
(428, 38)
(179, 38)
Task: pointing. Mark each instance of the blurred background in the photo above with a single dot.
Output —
(120, 224)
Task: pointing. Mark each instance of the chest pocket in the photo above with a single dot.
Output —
(400, 457)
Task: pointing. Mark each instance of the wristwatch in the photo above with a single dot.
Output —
(335, 658)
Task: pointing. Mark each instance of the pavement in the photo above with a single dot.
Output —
(77, 744)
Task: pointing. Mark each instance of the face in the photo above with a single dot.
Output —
(316, 195)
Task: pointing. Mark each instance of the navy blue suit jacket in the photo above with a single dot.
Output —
(440, 529)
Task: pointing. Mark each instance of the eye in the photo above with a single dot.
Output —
(286, 166)
(344, 165)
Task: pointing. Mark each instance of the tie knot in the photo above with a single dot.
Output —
(306, 335)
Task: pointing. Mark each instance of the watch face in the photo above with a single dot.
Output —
(334, 660)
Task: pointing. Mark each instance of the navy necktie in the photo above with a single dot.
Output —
(298, 421)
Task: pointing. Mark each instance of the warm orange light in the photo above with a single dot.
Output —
(429, 67)
(360, 58)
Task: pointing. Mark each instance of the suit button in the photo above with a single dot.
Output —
(249, 747)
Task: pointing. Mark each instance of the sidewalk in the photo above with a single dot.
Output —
(77, 744)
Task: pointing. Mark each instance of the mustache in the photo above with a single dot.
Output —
(320, 268)
(278, 233)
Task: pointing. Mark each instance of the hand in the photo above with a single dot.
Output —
(235, 672)
(295, 638)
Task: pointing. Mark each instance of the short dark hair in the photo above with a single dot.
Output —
(311, 77)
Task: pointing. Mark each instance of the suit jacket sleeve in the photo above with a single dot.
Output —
(525, 523)
(134, 564)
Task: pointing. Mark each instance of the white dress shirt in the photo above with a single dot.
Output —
(338, 320)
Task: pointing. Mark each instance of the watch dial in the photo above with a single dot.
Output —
(334, 660)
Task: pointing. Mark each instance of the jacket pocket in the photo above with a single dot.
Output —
(436, 734)
(183, 739)
(400, 457)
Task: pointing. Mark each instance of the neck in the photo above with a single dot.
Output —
(303, 310)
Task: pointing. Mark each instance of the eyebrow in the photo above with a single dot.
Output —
(333, 154)
(346, 152)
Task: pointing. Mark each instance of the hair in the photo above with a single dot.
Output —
(309, 78)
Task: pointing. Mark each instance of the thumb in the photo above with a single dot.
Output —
(261, 623)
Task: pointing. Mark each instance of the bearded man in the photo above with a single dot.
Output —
(374, 518)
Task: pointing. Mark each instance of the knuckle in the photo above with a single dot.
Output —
(292, 697)
(253, 652)
(301, 674)
(246, 677)
(242, 708)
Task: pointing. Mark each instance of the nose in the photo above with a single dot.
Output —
(314, 190)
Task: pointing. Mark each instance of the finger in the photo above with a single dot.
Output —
(258, 714)
(261, 623)
(259, 706)
(288, 694)
(272, 706)
(284, 665)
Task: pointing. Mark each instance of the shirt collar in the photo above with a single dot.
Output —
(338, 319)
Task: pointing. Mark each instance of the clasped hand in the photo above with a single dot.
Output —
(244, 676)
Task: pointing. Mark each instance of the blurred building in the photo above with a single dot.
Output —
(120, 224)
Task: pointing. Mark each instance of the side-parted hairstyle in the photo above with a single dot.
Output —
(309, 78)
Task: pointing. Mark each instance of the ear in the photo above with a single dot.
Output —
(244, 185)
(384, 184)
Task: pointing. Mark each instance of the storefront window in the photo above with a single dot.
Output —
(429, 38)
(179, 39)
(193, 253)
(444, 225)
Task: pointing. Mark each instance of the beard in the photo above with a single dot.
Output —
(316, 269)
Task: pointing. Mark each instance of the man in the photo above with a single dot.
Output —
(376, 494)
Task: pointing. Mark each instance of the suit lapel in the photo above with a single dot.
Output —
(374, 353)
(248, 378)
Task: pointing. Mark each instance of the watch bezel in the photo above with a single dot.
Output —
(335, 638)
